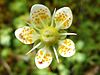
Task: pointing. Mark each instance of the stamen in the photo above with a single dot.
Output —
(58, 26)
(64, 22)
(52, 20)
(56, 54)
(33, 48)
(68, 34)
(33, 25)
(43, 24)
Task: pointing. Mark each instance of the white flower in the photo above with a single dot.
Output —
(50, 32)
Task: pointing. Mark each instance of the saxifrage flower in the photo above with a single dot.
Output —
(48, 32)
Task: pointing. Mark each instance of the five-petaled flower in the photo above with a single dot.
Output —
(49, 33)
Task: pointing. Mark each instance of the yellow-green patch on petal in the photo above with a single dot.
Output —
(26, 35)
(40, 15)
(43, 58)
(66, 48)
(63, 18)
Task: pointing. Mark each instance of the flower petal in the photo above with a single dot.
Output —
(43, 58)
(63, 18)
(66, 48)
(40, 15)
(26, 35)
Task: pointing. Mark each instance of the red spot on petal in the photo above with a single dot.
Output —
(40, 62)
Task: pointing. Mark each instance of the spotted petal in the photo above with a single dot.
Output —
(63, 18)
(26, 35)
(40, 15)
(43, 58)
(66, 48)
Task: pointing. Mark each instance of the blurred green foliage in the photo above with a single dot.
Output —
(86, 23)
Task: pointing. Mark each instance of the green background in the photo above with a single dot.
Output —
(86, 24)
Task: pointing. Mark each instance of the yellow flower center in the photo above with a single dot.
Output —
(49, 35)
